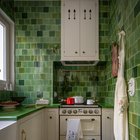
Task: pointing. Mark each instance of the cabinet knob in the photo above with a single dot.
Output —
(92, 119)
(66, 119)
(50, 117)
(84, 52)
(76, 52)
(108, 118)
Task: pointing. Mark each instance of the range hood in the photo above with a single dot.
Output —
(79, 63)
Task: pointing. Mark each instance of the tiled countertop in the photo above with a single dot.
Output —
(22, 111)
(25, 110)
(104, 105)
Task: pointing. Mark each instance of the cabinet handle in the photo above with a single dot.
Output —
(23, 133)
(69, 14)
(76, 52)
(90, 14)
(50, 117)
(92, 119)
(74, 11)
(84, 52)
(84, 13)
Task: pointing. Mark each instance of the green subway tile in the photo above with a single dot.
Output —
(21, 70)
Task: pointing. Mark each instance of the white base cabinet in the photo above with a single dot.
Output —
(52, 124)
(107, 124)
(32, 127)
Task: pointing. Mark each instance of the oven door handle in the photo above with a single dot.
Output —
(83, 119)
(88, 119)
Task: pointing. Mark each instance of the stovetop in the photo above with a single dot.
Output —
(80, 106)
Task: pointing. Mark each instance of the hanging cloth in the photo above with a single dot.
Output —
(121, 100)
(115, 61)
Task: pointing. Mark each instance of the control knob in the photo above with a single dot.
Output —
(64, 111)
(85, 111)
(90, 111)
(74, 111)
(69, 111)
(96, 111)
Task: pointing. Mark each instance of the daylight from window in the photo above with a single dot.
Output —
(1, 50)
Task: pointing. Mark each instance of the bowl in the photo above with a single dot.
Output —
(18, 99)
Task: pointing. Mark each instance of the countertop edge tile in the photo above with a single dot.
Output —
(23, 111)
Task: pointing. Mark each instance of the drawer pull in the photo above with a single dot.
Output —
(23, 135)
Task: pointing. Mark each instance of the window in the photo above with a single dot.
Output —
(6, 49)
(2, 51)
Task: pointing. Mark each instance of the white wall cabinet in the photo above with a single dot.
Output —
(79, 30)
(107, 124)
(31, 127)
(52, 124)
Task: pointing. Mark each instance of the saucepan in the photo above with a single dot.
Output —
(78, 99)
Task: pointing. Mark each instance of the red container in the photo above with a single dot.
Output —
(70, 101)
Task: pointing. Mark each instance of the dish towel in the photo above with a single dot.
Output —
(121, 100)
(74, 131)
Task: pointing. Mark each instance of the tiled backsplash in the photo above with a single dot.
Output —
(74, 81)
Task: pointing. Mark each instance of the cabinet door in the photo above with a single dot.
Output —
(32, 128)
(70, 28)
(89, 28)
(107, 124)
(52, 124)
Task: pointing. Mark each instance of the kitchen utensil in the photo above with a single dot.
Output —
(78, 99)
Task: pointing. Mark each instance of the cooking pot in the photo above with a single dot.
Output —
(78, 99)
(90, 101)
(69, 101)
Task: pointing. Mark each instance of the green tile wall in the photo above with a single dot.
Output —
(8, 7)
(126, 15)
(74, 81)
(38, 44)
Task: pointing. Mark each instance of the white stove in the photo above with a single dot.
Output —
(89, 115)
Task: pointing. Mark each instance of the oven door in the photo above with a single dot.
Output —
(90, 125)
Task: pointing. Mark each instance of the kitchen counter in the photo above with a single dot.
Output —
(22, 111)
(25, 110)
(105, 105)
(4, 124)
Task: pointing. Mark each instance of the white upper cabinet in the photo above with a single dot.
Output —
(79, 30)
